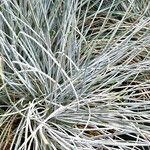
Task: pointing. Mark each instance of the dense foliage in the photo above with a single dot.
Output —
(74, 74)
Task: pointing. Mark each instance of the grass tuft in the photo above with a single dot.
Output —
(74, 74)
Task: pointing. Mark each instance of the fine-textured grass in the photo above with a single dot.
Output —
(74, 74)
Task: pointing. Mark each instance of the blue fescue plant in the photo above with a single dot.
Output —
(74, 74)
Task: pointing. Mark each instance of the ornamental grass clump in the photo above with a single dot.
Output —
(74, 74)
